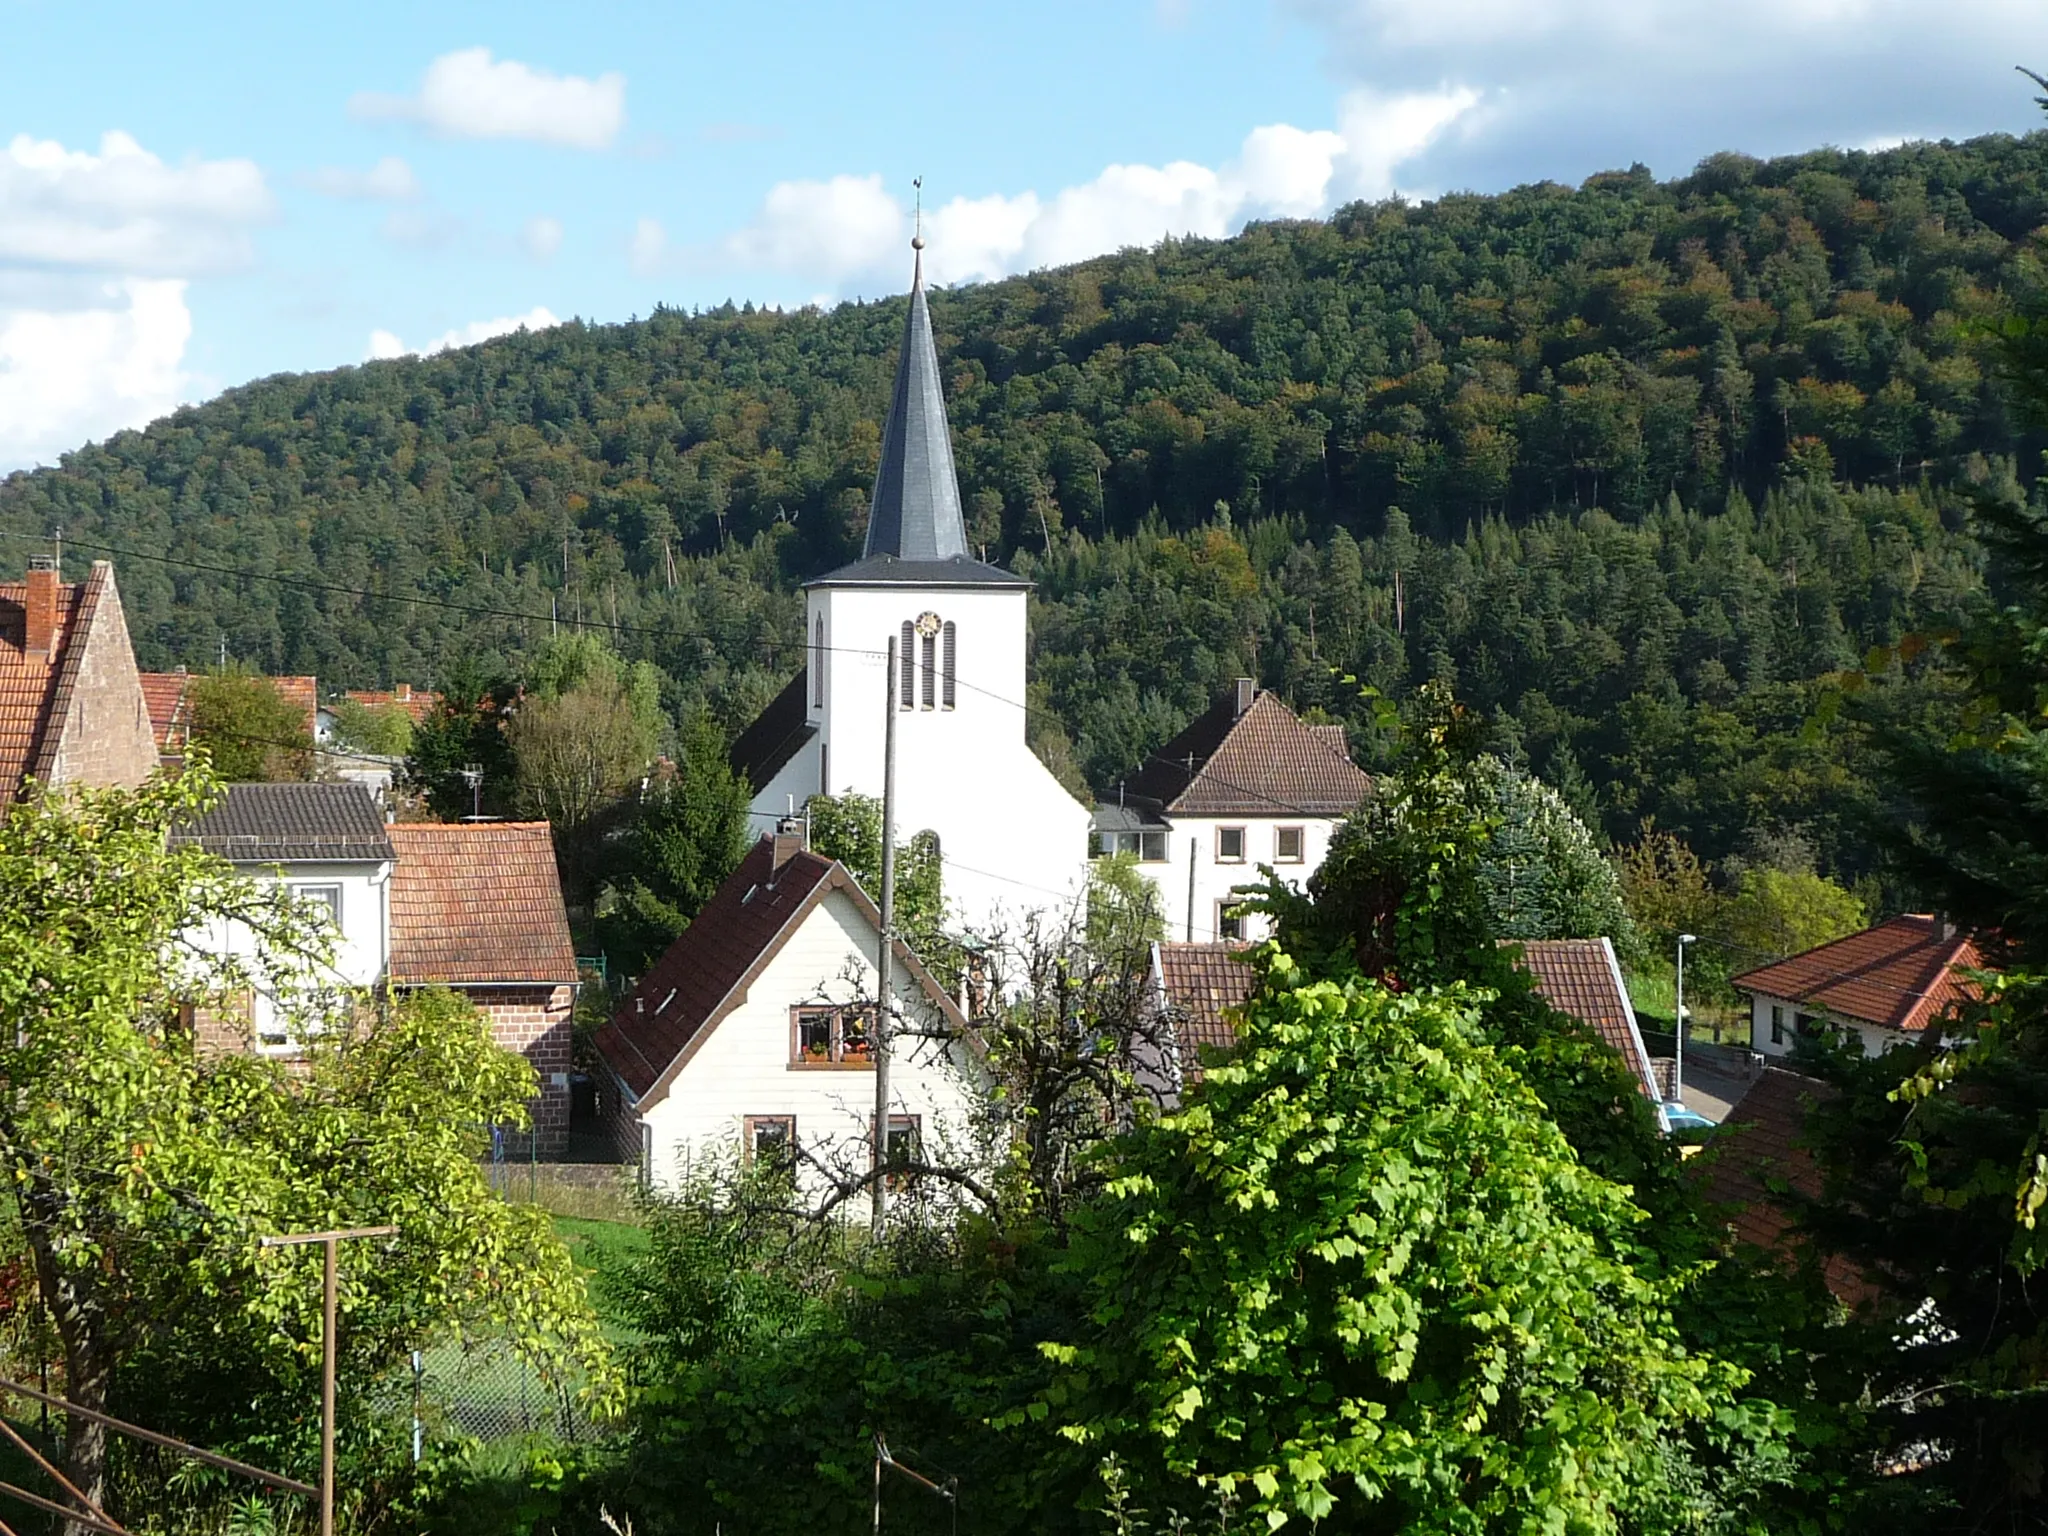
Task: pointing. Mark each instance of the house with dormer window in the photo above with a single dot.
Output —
(1248, 783)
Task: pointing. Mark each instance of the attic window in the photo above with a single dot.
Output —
(831, 1037)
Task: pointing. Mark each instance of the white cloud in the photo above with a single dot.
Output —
(390, 180)
(542, 237)
(386, 344)
(1577, 86)
(850, 226)
(469, 95)
(124, 210)
(648, 249)
(70, 376)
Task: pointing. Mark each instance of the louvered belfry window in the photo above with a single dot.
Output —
(818, 662)
(928, 664)
(946, 649)
(906, 666)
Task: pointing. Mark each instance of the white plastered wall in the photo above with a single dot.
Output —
(743, 1066)
(1012, 839)
(1215, 879)
(363, 947)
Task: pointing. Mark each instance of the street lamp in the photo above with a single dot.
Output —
(1678, 1024)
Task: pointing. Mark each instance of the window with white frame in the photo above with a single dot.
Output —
(318, 900)
(1230, 845)
(1289, 845)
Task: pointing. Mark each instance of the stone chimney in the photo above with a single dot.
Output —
(789, 840)
(39, 633)
(1247, 690)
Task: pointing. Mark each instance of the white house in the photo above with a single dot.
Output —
(1885, 986)
(1247, 783)
(327, 845)
(1011, 839)
(752, 1035)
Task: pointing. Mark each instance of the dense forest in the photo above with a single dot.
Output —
(1631, 465)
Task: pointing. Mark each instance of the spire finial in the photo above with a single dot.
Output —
(917, 229)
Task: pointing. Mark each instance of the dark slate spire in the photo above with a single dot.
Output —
(915, 514)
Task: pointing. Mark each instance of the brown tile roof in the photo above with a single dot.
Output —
(1201, 981)
(1903, 974)
(170, 720)
(478, 904)
(416, 702)
(705, 974)
(1758, 1162)
(31, 680)
(1264, 762)
(1581, 978)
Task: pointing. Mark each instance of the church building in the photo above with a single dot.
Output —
(1011, 839)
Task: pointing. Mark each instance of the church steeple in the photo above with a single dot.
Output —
(915, 513)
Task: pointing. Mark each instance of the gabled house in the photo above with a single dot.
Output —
(1581, 978)
(1193, 986)
(1882, 987)
(71, 702)
(168, 697)
(477, 907)
(1249, 782)
(328, 846)
(752, 1035)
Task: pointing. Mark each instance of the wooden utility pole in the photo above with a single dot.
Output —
(885, 958)
(331, 1241)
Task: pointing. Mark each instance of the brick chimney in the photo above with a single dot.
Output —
(39, 632)
(789, 841)
(1247, 690)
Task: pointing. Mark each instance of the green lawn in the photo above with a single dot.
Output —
(590, 1244)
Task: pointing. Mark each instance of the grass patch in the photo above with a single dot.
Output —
(593, 1245)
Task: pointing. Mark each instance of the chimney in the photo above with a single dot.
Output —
(39, 633)
(1247, 690)
(789, 840)
(1944, 926)
(405, 693)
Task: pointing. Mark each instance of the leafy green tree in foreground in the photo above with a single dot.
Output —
(1362, 1281)
(144, 1170)
(251, 732)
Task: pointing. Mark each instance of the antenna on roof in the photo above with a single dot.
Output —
(473, 776)
(60, 551)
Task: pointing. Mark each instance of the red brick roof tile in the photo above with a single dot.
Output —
(416, 702)
(1580, 978)
(1904, 974)
(170, 720)
(477, 903)
(1264, 762)
(1201, 981)
(28, 681)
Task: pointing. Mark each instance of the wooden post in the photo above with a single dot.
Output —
(885, 958)
(330, 1241)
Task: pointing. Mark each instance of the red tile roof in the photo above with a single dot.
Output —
(416, 702)
(36, 685)
(303, 694)
(1903, 974)
(705, 974)
(170, 720)
(1266, 762)
(1200, 982)
(1581, 978)
(1758, 1162)
(479, 904)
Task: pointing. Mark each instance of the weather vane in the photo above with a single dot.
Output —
(917, 231)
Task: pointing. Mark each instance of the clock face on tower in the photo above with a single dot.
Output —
(928, 624)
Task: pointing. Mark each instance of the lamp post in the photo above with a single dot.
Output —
(1678, 1024)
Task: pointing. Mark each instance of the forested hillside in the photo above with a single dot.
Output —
(1662, 453)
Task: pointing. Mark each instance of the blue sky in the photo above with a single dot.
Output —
(194, 196)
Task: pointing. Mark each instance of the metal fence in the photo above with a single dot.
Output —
(484, 1390)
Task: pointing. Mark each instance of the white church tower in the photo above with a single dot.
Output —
(1012, 840)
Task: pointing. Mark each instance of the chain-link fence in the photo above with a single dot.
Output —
(484, 1390)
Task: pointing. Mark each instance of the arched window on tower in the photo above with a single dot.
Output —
(906, 666)
(946, 660)
(818, 661)
(927, 654)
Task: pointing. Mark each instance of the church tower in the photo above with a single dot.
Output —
(1011, 838)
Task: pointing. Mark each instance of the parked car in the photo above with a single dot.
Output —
(1678, 1118)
